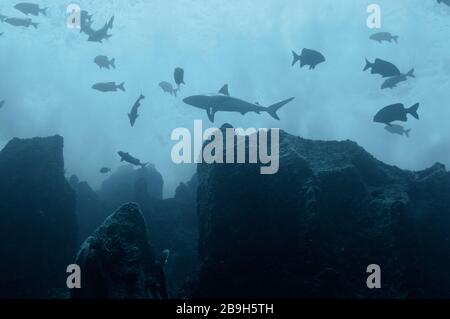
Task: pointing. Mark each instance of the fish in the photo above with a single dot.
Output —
(397, 129)
(133, 115)
(223, 102)
(392, 82)
(447, 2)
(100, 35)
(109, 87)
(2, 103)
(384, 36)
(125, 157)
(30, 8)
(396, 112)
(105, 170)
(308, 57)
(86, 23)
(383, 68)
(21, 22)
(168, 88)
(103, 62)
(178, 76)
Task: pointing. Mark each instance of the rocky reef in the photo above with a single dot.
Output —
(37, 218)
(312, 229)
(117, 261)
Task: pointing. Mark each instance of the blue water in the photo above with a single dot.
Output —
(46, 76)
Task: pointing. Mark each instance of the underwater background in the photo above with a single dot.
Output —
(309, 231)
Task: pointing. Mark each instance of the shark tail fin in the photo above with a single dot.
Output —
(296, 58)
(407, 132)
(272, 110)
(395, 38)
(411, 74)
(35, 24)
(110, 22)
(121, 86)
(413, 110)
(368, 65)
(144, 165)
(44, 11)
(113, 63)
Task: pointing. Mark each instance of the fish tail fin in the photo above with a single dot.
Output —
(272, 110)
(44, 11)
(368, 65)
(411, 74)
(395, 38)
(144, 165)
(413, 110)
(175, 91)
(296, 58)
(35, 24)
(407, 132)
(113, 63)
(121, 86)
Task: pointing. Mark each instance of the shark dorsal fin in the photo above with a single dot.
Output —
(224, 90)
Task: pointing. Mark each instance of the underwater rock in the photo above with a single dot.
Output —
(117, 261)
(126, 184)
(37, 218)
(312, 229)
(174, 226)
(90, 210)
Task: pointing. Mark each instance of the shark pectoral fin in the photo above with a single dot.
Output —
(210, 112)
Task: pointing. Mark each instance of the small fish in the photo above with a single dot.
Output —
(109, 87)
(384, 36)
(308, 57)
(168, 88)
(397, 129)
(395, 112)
(20, 22)
(30, 8)
(103, 62)
(447, 2)
(383, 68)
(393, 81)
(178, 76)
(125, 157)
(105, 170)
(2, 103)
(133, 115)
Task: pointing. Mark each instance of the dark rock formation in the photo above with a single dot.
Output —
(173, 223)
(312, 229)
(91, 212)
(37, 218)
(117, 261)
(121, 186)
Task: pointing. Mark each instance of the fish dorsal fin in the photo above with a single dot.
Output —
(224, 90)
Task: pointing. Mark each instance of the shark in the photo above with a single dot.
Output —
(223, 102)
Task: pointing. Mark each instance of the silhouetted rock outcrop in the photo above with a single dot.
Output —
(312, 229)
(37, 218)
(117, 261)
(174, 226)
(126, 184)
(91, 211)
